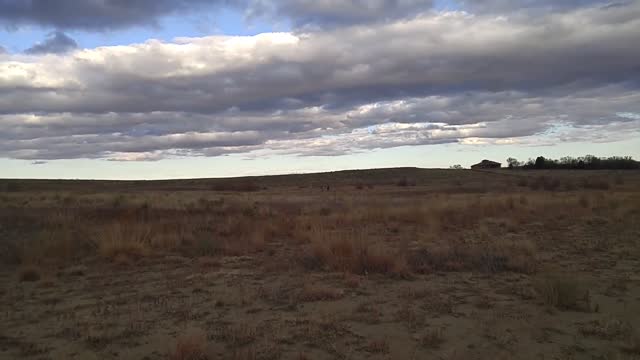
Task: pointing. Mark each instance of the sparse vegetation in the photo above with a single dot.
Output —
(319, 293)
(379, 346)
(433, 338)
(189, 346)
(404, 182)
(354, 254)
(562, 293)
(292, 268)
(130, 240)
(29, 273)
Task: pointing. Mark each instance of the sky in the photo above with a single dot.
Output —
(155, 89)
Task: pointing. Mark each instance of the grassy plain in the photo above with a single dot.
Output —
(384, 264)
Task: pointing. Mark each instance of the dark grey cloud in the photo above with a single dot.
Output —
(95, 15)
(332, 13)
(56, 43)
(117, 14)
(103, 15)
(493, 117)
(532, 7)
(321, 14)
(436, 78)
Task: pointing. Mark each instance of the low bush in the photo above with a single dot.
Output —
(562, 293)
(498, 256)
(29, 273)
(189, 346)
(125, 239)
(350, 254)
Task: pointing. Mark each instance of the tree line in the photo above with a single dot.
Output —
(588, 162)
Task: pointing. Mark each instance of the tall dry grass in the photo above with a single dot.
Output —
(362, 232)
(352, 251)
(125, 239)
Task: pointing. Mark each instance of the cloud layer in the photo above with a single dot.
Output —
(95, 15)
(506, 6)
(432, 78)
(335, 13)
(117, 14)
(57, 43)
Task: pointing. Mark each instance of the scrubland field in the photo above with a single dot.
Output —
(380, 264)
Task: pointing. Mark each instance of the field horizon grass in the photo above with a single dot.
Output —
(395, 263)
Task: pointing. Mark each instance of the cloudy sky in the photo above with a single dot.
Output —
(206, 88)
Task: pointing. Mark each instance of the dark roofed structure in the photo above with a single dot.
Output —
(487, 164)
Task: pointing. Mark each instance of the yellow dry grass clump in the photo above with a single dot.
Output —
(125, 239)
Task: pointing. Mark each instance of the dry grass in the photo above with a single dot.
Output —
(352, 252)
(319, 293)
(29, 273)
(437, 231)
(494, 256)
(244, 354)
(189, 346)
(238, 335)
(433, 338)
(378, 346)
(208, 263)
(252, 240)
(125, 240)
(352, 281)
(608, 329)
(632, 345)
(562, 293)
(411, 317)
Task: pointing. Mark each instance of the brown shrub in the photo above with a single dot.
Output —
(189, 346)
(236, 185)
(208, 263)
(378, 346)
(29, 273)
(413, 319)
(510, 203)
(125, 239)
(58, 238)
(352, 281)
(632, 345)
(583, 201)
(245, 354)
(351, 253)
(523, 200)
(238, 335)
(595, 184)
(319, 293)
(562, 293)
(433, 339)
(545, 183)
(491, 257)
(239, 236)
(609, 329)
(404, 182)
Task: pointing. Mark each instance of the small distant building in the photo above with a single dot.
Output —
(487, 164)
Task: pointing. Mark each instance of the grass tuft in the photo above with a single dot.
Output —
(562, 293)
(29, 274)
(189, 346)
